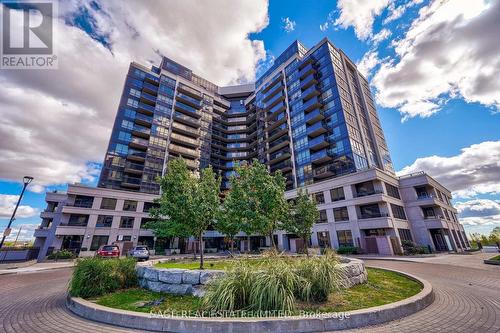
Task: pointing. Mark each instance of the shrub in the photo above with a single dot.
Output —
(411, 248)
(95, 276)
(275, 284)
(348, 250)
(63, 254)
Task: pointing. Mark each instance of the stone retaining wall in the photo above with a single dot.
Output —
(191, 282)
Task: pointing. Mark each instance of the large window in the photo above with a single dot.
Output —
(108, 203)
(370, 211)
(322, 217)
(84, 201)
(127, 222)
(405, 234)
(97, 241)
(345, 238)
(392, 191)
(363, 189)
(337, 194)
(398, 212)
(130, 205)
(319, 197)
(104, 221)
(340, 214)
(324, 239)
(149, 205)
(428, 212)
(78, 220)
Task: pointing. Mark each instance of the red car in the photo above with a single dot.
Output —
(108, 251)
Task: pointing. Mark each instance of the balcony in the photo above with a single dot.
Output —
(152, 79)
(139, 143)
(186, 152)
(315, 130)
(372, 216)
(307, 82)
(188, 100)
(189, 91)
(318, 143)
(309, 93)
(284, 166)
(131, 182)
(275, 99)
(187, 130)
(277, 88)
(149, 88)
(278, 157)
(141, 131)
(184, 140)
(187, 119)
(147, 98)
(134, 168)
(277, 133)
(271, 83)
(367, 193)
(424, 196)
(309, 69)
(277, 108)
(311, 105)
(146, 109)
(273, 124)
(134, 155)
(278, 144)
(320, 157)
(186, 109)
(314, 117)
(142, 119)
(324, 171)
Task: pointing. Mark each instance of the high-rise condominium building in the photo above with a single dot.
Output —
(311, 115)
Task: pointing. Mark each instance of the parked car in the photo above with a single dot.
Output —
(139, 252)
(108, 251)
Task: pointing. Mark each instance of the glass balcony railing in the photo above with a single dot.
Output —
(319, 155)
(140, 142)
(184, 139)
(274, 99)
(189, 119)
(309, 92)
(315, 115)
(316, 129)
(134, 166)
(306, 70)
(146, 107)
(308, 81)
(189, 90)
(276, 107)
(131, 180)
(136, 154)
(317, 141)
(184, 107)
(141, 129)
(150, 87)
(310, 104)
(148, 97)
(143, 118)
(194, 101)
(272, 91)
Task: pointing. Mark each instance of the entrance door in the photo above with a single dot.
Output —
(439, 241)
(371, 245)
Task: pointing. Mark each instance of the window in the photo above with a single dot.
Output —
(127, 222)
(405, 235)
(324, 239)
(345, 238)
(97, 241)
(104, 221)
(392, 191)
(398, 212)
(83, 201)
(428, 212)
(340, 214)
(149, 205)
(78, 220)
(319, 198)
(108, 203)
(337, 194)
(322, 217)
(370, 211)
(130, 205)
(365, 188)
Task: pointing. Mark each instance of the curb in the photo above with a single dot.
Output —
(293, 324)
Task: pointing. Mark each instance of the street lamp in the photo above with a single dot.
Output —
(26, 181)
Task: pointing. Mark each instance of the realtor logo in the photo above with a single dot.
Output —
(28, 35)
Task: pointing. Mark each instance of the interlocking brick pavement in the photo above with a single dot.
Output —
(467, 300)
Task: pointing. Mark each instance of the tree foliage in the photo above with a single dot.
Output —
(303, 216)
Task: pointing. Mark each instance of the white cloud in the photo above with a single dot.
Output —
(359, 14)
(8, 203)
(25, 232)
(369, 61)
(478, 207)
(55, 124)
(395, 12)
(288, 24)
(474, 171)
(451, 50)
(381, 36)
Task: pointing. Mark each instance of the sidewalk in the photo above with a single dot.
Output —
(38, 267)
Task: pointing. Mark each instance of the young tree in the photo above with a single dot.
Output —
(264, 206)
(231, 218)
(187, 205)
(304, 215)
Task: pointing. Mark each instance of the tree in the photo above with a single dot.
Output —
(262, 199)
(187, 205)
(231, 218)
(304, 214)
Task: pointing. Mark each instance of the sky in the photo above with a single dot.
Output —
(433, 67)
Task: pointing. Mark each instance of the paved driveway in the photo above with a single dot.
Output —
(467, 300)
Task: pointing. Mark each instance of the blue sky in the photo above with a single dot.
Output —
(437, 115)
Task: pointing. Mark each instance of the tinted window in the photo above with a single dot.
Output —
(110, 248)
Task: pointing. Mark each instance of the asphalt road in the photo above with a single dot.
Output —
(467, 300)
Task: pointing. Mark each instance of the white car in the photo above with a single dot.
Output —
(140, 252)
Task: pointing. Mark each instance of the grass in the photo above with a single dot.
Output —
(209, 264)
(495, 258)
(383, 287)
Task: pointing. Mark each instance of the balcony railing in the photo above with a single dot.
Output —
(311, 104)
(423, 196)
(188, 119)
(367, 193)
(184, 139)
(308, 81)
(187, 109)
(373, 215)
(279, 106)
(148, 108)
(150, 87)
(190, 91)
(306, 71)
(314, 116)
(190, 100)
(309, 93)
(316, 129)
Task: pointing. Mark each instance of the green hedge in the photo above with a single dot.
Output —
(348, 250)
(63, 254)
(94, 277)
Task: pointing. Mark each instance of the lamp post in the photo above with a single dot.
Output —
(26, 181)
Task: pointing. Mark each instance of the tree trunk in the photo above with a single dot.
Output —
(201, 250)
(306, 245)
(273, 246)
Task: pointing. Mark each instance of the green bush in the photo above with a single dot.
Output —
(275, 284)
(411, 248)
(63, 254)
(348, 250)
(93, 277)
